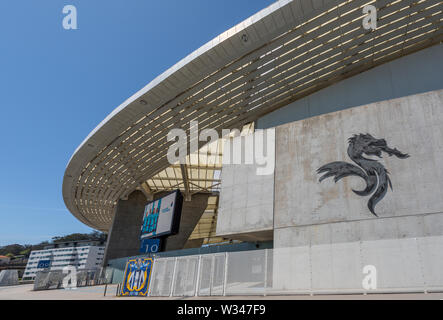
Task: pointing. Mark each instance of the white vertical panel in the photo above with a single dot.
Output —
(321, 267)
(397, 263)
(431, 256)
(291, 270)
(346, 266)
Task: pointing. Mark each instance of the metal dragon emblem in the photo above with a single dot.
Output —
(373, 172)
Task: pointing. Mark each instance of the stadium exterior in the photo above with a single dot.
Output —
(338, 97)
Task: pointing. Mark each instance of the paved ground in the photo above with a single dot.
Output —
(24, 292)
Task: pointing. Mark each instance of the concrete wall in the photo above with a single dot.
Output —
(191, 214)
(324, 234)
(246, 202)
(305, 212)
(124, 236)
(409, 264)
(416, 73)
(308, 212)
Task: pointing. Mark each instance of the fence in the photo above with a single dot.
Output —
(53, 279)
(398, 265)
(8, 278)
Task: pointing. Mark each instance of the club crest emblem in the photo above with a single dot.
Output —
(371, 171)
(137, 275)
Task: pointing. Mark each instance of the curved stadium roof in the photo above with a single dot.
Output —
(284, 52)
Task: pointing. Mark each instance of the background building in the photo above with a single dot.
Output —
(84, 255)
(4, 260)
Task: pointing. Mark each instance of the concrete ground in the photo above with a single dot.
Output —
(24, 292)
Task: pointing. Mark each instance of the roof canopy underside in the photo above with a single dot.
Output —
(282, 53)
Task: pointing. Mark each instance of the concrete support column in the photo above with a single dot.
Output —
(124, 236)
(191, 214)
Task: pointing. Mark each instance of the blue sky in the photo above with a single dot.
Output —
(56, 85)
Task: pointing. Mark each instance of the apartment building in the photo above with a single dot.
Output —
(84, 255)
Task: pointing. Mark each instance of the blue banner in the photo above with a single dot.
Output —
(44, 264)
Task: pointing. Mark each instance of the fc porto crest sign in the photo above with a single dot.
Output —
(371, 171)
(137, 275)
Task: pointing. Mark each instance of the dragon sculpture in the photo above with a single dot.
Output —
(373, 172)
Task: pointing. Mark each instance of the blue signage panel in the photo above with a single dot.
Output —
(137, 276)
(44, 264)
(150, 246)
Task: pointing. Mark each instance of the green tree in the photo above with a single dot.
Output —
(25, 252)
(17, 249)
